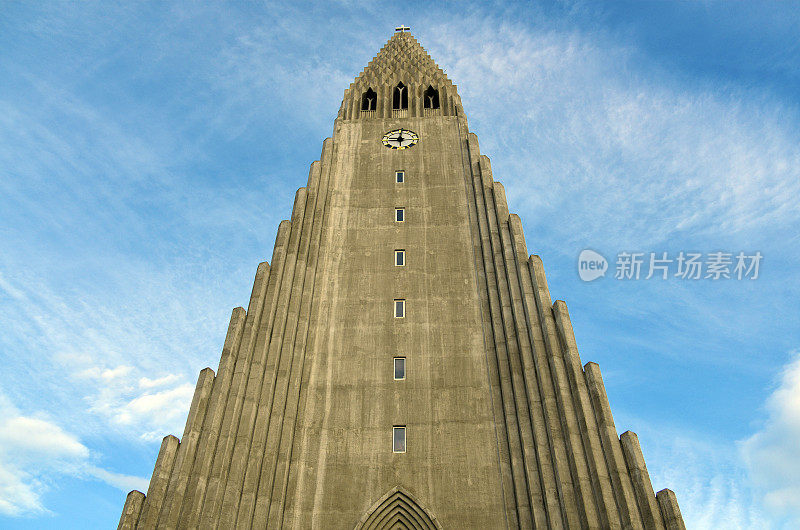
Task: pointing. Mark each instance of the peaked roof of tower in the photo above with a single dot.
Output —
(404, 59)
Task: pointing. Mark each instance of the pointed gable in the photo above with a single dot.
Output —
(401, 60)
(398, 509)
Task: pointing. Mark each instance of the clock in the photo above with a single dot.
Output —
(400, 139)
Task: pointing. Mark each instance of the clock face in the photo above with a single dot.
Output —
(400, 139)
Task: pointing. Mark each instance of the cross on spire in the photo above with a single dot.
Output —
(402, 29)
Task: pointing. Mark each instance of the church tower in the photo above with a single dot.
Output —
(400, 364)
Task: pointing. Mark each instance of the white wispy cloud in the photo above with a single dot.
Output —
(589, 130)
(35, 436)
(146, 382)
(706, 474)
(771, 454)
(122, 482)
(34, 451)
(30, 448)
(156, 412)
(752, 483)
(101, 363)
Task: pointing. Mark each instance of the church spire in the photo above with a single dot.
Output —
(402, 80)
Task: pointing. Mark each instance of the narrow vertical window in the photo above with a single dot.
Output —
(399, 215)
(399, 439)
(399, 176)
(399, 309)
(399, 368)
(399, 258)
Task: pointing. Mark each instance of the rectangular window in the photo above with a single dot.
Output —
(399, 214)
(399, 176)
(399, 258)
(399, 368)
(399, 439)
(399, 309)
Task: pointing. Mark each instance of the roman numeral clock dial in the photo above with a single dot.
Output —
(400, 139)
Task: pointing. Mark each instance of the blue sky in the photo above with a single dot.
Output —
(148, 152)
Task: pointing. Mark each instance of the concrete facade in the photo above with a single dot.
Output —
(504, 426)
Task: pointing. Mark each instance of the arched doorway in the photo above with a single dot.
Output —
(398, 510)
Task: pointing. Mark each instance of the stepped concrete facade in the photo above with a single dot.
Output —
(401, 364)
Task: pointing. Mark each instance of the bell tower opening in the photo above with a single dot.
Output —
(400, 97)
(369, 99)
(430, 99)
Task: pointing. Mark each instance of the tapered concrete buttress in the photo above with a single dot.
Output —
(626, 501)
(247, 434)
(131, 510)
(520, 389)
(274, 402)
(188, 446)
(221, 462)
(478, 222)
(276, 357)
(601, 481)
(523, 496)
(640, 478)
(240, 497)
(564, 394)
(670, 511)
(158, 483)
(535, 376)
(285, 442)
(400, 362)
(240, 409)
(256, 392)
(188, 511)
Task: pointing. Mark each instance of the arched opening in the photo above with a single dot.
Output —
(398, 509)
(369, 99)
(400, 97)
(430, 99)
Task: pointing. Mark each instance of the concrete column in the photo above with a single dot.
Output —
(158, 483)
(223, 421)
(192, 500)
(243, 501)
(528, 508)
(291, 477)
(534, 373)
(187, 449)
(510, 356)
(248, 443)
(260, 357)
(224, 465)
(573, 442)
(385, 95)
(670, 512)
(626, 501)
(282, 448)
(131, 510)
(471, 181)
(258, 394)
(594, 450)
(227, 437)
(642, 488)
